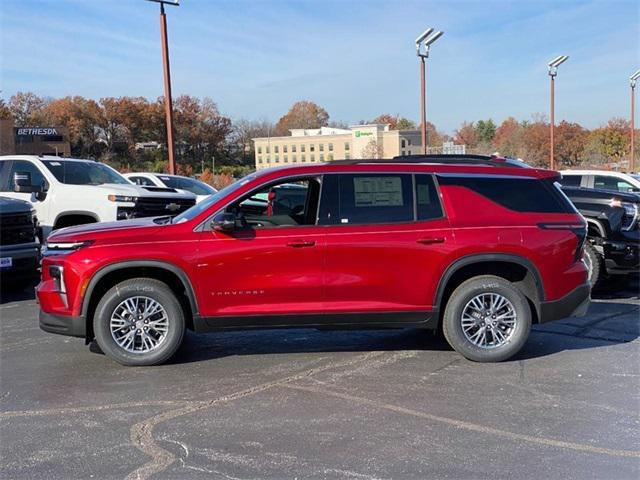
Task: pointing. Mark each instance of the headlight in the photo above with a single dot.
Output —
(62, 248)
(630, 213)
(122, 198)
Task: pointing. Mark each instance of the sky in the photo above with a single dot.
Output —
(356, 58)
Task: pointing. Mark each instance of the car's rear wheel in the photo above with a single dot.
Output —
(487, 319)
(139, 322)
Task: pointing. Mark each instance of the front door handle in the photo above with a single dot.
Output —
(301, 243)
(431, 240)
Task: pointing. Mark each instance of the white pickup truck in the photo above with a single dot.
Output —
(66, 192)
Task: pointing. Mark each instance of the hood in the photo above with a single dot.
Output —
(597, 193)
(12, 205)
(92, 231)
(132, 190)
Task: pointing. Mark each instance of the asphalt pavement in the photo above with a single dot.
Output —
(395, 404)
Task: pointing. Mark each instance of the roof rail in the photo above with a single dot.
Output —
(455, 159)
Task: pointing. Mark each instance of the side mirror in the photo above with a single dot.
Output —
(224, 222)
(22, 183)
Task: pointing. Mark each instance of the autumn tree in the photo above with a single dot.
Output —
(4, 110)
(372, 150)
(508, 137)
(26, 109)
(570, 140)
(395, 122)
(466, 135)
(303, 114)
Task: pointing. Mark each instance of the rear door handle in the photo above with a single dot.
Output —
(431, 241)
(301, 243)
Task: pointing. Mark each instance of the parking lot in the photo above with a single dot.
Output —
(315, 404)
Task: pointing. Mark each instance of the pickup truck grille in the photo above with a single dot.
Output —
(155, 207)
(17, 228)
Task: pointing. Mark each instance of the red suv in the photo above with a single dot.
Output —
(477, 245)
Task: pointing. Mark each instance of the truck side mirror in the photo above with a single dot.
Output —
(224, 222)
(22, 183)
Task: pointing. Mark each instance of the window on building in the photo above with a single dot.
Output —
(303, 158)
(302, 147)
(322, 147)
(277, 158)
(347, 146)
(259, 159)
(293, 148)
(267, 149)
(284, 149)
(409, 141)
(347, 155)
(312, 148)
(403, 143)
(276, 149)
(285, 158)
(331, 147)
(329, 156)
(402, 153)
(312, 158)
(321, 157)
(294, 158)
(259, 150)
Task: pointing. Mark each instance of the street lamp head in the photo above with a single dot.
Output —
(424, 35)
(426, 39)
(555, 63)
(633, 78)
(175, 3)
(433, 38)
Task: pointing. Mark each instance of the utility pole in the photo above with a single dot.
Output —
(168, 104)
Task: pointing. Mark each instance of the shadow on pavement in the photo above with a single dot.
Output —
(16, 293)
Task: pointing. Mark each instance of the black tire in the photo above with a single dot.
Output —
(462, 295)
(139, 287)
(595, 264)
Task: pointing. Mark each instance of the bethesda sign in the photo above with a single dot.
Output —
(36, 131)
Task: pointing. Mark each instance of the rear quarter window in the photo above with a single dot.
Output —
(518, 194)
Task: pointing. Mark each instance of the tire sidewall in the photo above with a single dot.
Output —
(452, 322)
(159, 292)
(594, 265)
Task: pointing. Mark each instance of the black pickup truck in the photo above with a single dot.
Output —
(19, 245)
(614, 232)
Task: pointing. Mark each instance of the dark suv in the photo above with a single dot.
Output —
(477, 245)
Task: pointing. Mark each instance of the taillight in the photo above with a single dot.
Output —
(579, 229)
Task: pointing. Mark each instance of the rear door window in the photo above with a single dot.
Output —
(368, 199)
(612, 183)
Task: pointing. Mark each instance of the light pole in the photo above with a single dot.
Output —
(168, 104)
(423, 42)
(553, 71)
(632, 83)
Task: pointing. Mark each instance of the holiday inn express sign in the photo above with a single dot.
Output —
(359, 134)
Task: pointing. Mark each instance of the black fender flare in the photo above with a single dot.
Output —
(184, 278)
(488, 257)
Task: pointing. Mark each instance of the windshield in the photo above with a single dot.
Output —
(83, 173)
(189, 184)
(198, 208)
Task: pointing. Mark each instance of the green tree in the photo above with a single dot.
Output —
(485, 130)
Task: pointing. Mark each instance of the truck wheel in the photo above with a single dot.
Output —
(487, 319)
(139, 322)
(593, 260)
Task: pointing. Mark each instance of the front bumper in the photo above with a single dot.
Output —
(25, 260)
(63, 325)
(574, 304)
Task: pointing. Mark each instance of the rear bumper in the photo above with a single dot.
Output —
(62, 325)
(574, 304)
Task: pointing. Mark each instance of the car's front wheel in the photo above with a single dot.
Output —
(139, 322)
(487, 319)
